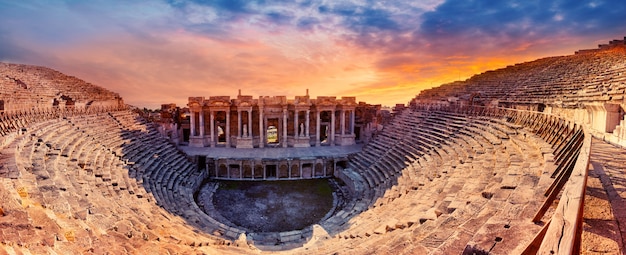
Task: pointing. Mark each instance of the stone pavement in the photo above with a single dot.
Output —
(605, 226)
(273, 153)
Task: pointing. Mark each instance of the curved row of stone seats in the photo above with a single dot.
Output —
(15, 123)
(56, 142)
(181, 187)
(415, 135)
(508, 171)
(586, 77)
(490, 236)
(383, 172)
(440, 206)
(573, 72)
(30, 86)
(43, 192)
(607, 85)
(14, 87)
(66, 170)
(162, 169)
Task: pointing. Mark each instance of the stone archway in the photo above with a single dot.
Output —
(234, 171)
(295, 171)
(258, 171)
(319, 170)
(283, 171)
(247, 171)
(307, 170)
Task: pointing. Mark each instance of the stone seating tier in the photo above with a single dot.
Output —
(507, 188)
(571, 80)
(27, 87)
(67, 168)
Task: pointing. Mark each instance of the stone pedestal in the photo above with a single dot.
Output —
(301, 141)
(244, 142)
(196, 141)
(613, 116)
(343, 140)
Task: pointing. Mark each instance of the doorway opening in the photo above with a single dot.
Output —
(270, 171)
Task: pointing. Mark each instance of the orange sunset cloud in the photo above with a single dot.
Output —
(165, 52)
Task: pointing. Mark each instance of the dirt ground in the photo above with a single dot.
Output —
(274, 206)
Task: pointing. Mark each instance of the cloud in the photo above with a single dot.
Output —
(155, 51)
(509, 23)
(353, 15)
(307, 23)
(280, 17)
(172, 67)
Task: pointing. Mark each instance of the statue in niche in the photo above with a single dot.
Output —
(301, 129)
(245, 130)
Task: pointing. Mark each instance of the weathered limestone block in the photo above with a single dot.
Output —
(344, 140)
(244, 142)
(301, 141)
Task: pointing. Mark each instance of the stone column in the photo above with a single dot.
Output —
(295, 124)
(317, 129)
(343, 122)
(306, 132)
(202, 124)
(253, 167)
(613, 117)
(264, 171)
(331, 136)
(193, 123)
(289, 167)
(284, 128)
(227, 131)
(261, 128)
(241, 169)
(239, 124)
(352, 122)
(250, 124)
(212, 127)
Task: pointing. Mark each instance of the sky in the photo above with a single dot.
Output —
(382, 52)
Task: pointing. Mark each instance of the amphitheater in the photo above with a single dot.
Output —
(510, 161)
